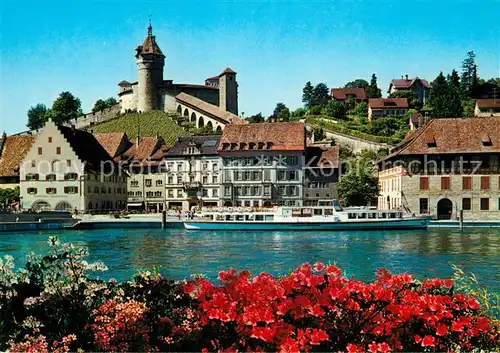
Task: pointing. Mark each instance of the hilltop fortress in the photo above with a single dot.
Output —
(212, 105)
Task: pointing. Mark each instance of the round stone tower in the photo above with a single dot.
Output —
(150, 61)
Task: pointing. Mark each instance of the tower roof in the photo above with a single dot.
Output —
(149, 46)
(227, 70)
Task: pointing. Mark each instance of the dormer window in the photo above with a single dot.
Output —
(251, 146)
(486, 140)
(233, 146)
(269, 145)
(225, 146)
(431, 142)
(261, 145)
(243, 146)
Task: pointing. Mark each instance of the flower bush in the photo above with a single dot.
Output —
(55, 304)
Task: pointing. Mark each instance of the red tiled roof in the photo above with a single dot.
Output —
(322, 156)
(143, 151)
(488, 103)
(263, 136)
(13, 152)
(210, 109)
(388, 103)
(227, 70)
(452, 135)
(405, 84)
(341, 93)
(111, 141)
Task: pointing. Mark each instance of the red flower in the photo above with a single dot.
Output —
(318, 266)
(384, 347)
(317, 336)
(428, 341)
(373, 347)
(204, 350)
(263, 333)
(483, 324)
(289, 346)
(418, 339)
(332, 270)
(354, 348)
(442, 330)
(456, 326)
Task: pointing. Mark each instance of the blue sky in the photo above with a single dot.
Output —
(87, 47)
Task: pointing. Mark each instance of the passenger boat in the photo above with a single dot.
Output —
(332, 217)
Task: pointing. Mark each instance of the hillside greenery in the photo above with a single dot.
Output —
(151, 123)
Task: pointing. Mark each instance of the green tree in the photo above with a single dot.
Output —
(386, 126)
(298, 113)
(257, 118)
(99, 105)
(358, 83)
(281, 112)
(318, 132)
(470, 79)
(361, 109)
(37, 116)
(335, 109)
(307, 93)
(320, 95)
(359, 187)
(8, 196)
(111, 101)
(439, 98)
(468, 106)
(65, 108)
(373, 91)
(454, 94)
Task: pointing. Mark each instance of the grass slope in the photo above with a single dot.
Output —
(144, 124)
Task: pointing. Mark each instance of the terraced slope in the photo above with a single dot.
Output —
(144, 124)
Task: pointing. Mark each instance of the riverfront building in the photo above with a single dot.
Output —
(193, 173)
(321, 174)
(68, 169)
(446, 166)
(263, 164)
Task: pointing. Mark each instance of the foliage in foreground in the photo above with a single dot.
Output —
(53, 305)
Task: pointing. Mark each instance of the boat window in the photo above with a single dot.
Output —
(301, 212)
(239, 217)
(382, 215)
(249, 217)
(362, 215)
(328, 212)
(259, 217)
(219, 217)
(392, 215)
(229, 217)
(269, 217)
(372, 215)
(317, 212)
(352, 215)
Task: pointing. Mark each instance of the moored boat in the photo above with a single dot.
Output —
(305, 218)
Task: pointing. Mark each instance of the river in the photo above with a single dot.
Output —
(180, 253)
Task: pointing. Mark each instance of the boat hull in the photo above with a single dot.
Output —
(414, 223)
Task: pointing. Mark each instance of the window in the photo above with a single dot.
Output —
(227, 191)
(215, 179)
(170, 180)
(292, 175)
(68, 162)
(50, 177)
(281, 175)
(171, 193)
(134, 183)
(466, 204)
(204, 179)
(179, 167)
(71, 189)
(58, 150)
(424, 183)
(89, 190)
(292, 190)
(485, 204)
(33, 164)
(159, 182)
(179, 180)
(103, 190)
(157, 193)
(267, 190)
(204, 192)
(247, 175)
(204, 166)
(39, 150)
(215, 167)
(32, 191)
(215, 193)
(148, 182)
(255, 190)
(267, 175)
(192, 178)
(445, 183)
(179, 193)
(467, 183)
(70, 176)
(485, 183)
(149, 194)
(96, 190)
(31, 177)
(109, 190)
(246, 191)
(281, 190)
(50, 139)
(51, 191)
(130, 193)
(239, 191)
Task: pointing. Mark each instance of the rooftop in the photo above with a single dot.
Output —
(343, 93)
(14, 149)
(385, 103)
(264, 136)
(111, 141)
(206, 145)
(405, 84)
(322, 156)
(210, 109)
(488, 103)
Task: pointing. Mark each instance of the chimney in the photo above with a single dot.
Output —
(406, 77)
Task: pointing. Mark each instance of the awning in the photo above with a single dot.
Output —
(134, 204)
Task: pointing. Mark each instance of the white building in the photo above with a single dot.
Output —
(68, 169)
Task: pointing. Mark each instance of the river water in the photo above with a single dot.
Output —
(180, 253)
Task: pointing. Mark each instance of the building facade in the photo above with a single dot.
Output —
(487, 108)
(193, 173)
(262, 164)
(420, 87)
(358, 95)
(381, 107)
(321, 174)
(446, 166)
(68, 169)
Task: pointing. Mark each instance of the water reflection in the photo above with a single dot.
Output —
(179, 253)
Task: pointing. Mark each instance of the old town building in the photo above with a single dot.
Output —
(68, 169)
(262, 164)
(381, 107)
(193, 173)
(420, 87)
(446, 166)
(321, 174)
